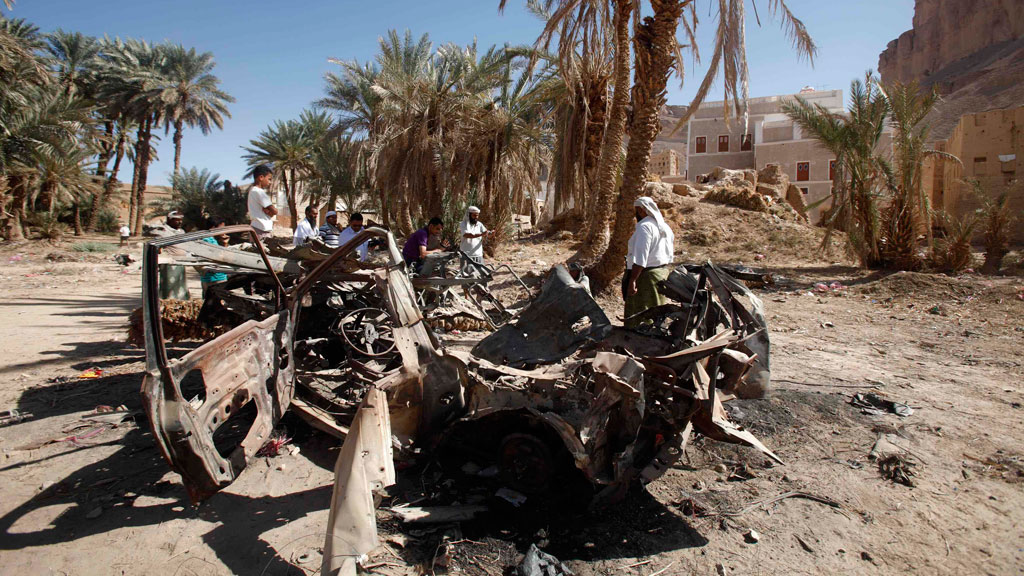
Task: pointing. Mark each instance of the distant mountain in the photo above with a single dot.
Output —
(971, 51)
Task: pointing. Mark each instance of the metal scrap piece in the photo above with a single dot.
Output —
(560, 320)
(365, 465)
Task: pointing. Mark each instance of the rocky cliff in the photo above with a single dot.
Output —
(947, 31)
(971, 51)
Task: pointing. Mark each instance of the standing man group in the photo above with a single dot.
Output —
(262, 211)
(647, 260)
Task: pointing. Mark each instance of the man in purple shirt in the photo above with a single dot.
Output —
(415, 249)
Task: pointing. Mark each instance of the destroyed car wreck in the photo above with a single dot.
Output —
(556, 396)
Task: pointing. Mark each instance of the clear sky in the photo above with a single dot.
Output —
(271, 56)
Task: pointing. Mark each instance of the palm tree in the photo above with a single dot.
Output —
(590, 30)
(64, 178)
(133, 81)
(439, 126)
(860, 175)
(339, 165)
(288, 147)
(74, 56)
(657, 52)
(40, 123)
(190, 95)
(911, 207)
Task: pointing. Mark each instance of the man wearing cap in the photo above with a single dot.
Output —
(174, 220)
(307, 227)
(262, 211)
(650, 253)
(472, 231)
(355, 226)
(329, 232)
(125, 232)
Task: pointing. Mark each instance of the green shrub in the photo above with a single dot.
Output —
(48, 226)
(107, 222)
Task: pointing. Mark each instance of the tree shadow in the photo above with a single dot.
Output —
(122, 484)
(67, 396)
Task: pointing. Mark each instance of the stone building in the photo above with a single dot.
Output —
(665, 162)
(990, 146)
(770, 137)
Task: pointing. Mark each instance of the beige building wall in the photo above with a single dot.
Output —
(788, 154)
(665, 162)
(775, 139)
(991, 147)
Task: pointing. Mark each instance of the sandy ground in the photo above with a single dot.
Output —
(79, 498)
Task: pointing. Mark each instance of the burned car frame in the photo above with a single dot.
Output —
(558, 389)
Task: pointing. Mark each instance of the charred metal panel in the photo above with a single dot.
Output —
(560, 320)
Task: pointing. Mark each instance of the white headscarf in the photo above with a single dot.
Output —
(648, 204)
(470, 210)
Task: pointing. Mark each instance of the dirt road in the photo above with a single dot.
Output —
(78, 497)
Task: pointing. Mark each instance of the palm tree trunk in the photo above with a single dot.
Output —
(99, 200)
(332, 201)
(77, 209)
(611, 150)
(655, 44)
(133, 194)
(177, 153)
(292, 201)
(107, 148)
(19, 192)
(143, 163)
(385, 208)
(403, 217)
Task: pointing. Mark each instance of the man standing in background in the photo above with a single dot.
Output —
(355, 226)
(329, 232)
(472, 231)
(262, 211)
(307, 227)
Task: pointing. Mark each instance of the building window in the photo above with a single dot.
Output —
(805, 190)
(747, 143)
(831, 169)
(979, 164)
(702, 144)
(803, 171)
(723, 143)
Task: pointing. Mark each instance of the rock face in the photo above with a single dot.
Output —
(971, 51)
(795, 198)
(947, 31)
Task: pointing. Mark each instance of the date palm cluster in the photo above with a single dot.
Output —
(73, 108)
(419, 131)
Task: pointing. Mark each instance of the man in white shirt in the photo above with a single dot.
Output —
(262, 211)
(355, 226)
(307, 227)
(472, 231)
(650, 253)
(125, 232)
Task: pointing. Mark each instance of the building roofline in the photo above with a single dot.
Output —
(817, 94)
